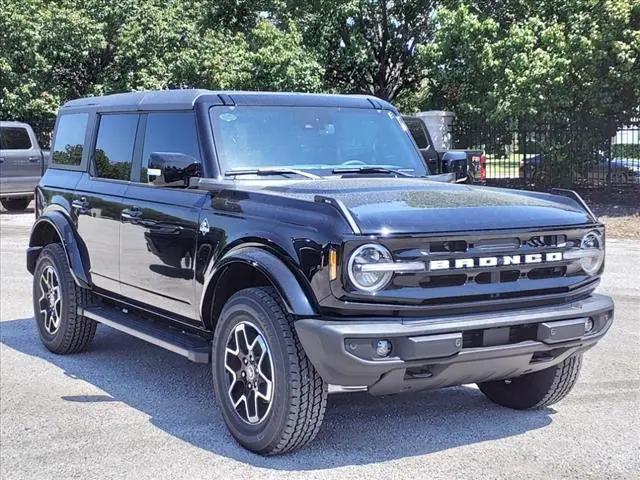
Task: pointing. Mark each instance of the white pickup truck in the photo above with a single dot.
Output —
(22, 163)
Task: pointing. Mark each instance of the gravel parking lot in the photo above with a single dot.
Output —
(126, 409)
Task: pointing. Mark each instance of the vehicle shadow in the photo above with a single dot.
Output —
(358, 428)
(27, 211)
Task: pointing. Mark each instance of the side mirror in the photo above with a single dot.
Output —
(169, 169)
(456, 162)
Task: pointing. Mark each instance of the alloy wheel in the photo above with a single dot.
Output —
(50, 300)
(250, 373)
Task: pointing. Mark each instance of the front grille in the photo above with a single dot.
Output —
(448, 246)
(480, 282)
(436, 281)
(546, 241)
(509, 275)
(549, 272)
(488, 246)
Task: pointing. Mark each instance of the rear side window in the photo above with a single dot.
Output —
(69, 141)
(114, 146)
(14, 138)
(170, 133)
(417, 132)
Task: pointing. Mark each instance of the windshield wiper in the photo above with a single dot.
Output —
(371, 169)
(270, 171)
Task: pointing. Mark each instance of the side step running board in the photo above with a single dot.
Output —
(193, 347)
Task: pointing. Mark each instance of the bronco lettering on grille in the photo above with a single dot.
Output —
(460, 263)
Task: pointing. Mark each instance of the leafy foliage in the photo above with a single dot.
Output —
(542, 60)
(56, 50)
(496, 60)
(367, 46)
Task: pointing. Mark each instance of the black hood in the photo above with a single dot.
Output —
(381, 205)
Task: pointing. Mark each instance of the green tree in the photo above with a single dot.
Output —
(366, 46)
(48, 55)
(536, 60)
(278, 61)
(56, 50)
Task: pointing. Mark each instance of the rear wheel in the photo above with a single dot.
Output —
(271, 397)
(15, 204)
(56, 299)
(540, 176)
(535, 390)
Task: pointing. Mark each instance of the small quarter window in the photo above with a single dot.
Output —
(14, 138)
(69, 141)
(170, 133)
(114, 146)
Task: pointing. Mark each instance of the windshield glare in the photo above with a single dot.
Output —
(317, 139)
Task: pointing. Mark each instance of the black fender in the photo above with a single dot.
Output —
(72, 244)
(298, 300)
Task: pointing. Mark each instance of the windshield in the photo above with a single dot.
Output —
(314, 139)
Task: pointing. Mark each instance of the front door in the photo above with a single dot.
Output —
(99, 195)
(423, 141)
(160, 224)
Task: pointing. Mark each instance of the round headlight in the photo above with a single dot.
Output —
(369, 281)
(592, 246)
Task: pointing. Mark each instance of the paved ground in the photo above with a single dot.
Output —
(129, 410)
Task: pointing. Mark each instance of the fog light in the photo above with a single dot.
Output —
(383, 348)
(588, 325)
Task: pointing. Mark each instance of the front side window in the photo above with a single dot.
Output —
(14, 138)
(170, 133)
(316, 139)
(69, 141)
(114, 146)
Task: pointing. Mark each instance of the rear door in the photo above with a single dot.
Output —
(158, 237)
(20, 160)
(98, 196)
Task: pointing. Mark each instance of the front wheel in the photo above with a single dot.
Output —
(537, 389)
(618, 178)
(272, 399)
(56, 299)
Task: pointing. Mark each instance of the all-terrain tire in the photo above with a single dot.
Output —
(74, 332)
(15, 204)
(537, 389)
(299, 394)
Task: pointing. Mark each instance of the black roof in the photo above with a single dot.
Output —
(187, 98)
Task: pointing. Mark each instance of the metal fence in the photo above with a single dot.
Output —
(531, 156)
(591, 155)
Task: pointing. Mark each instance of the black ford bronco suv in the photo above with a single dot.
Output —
(298, 244)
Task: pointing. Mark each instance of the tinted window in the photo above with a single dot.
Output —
(69, 141)
(170, 133)
(317, 139)
(114, 146)
(417, 132)
(14, 138)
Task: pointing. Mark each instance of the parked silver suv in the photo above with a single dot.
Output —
(22, 163)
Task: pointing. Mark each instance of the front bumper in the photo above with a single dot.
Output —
(453, 350)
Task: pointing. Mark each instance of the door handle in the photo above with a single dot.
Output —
(81, 205)
(34, 159)
(132, 213)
